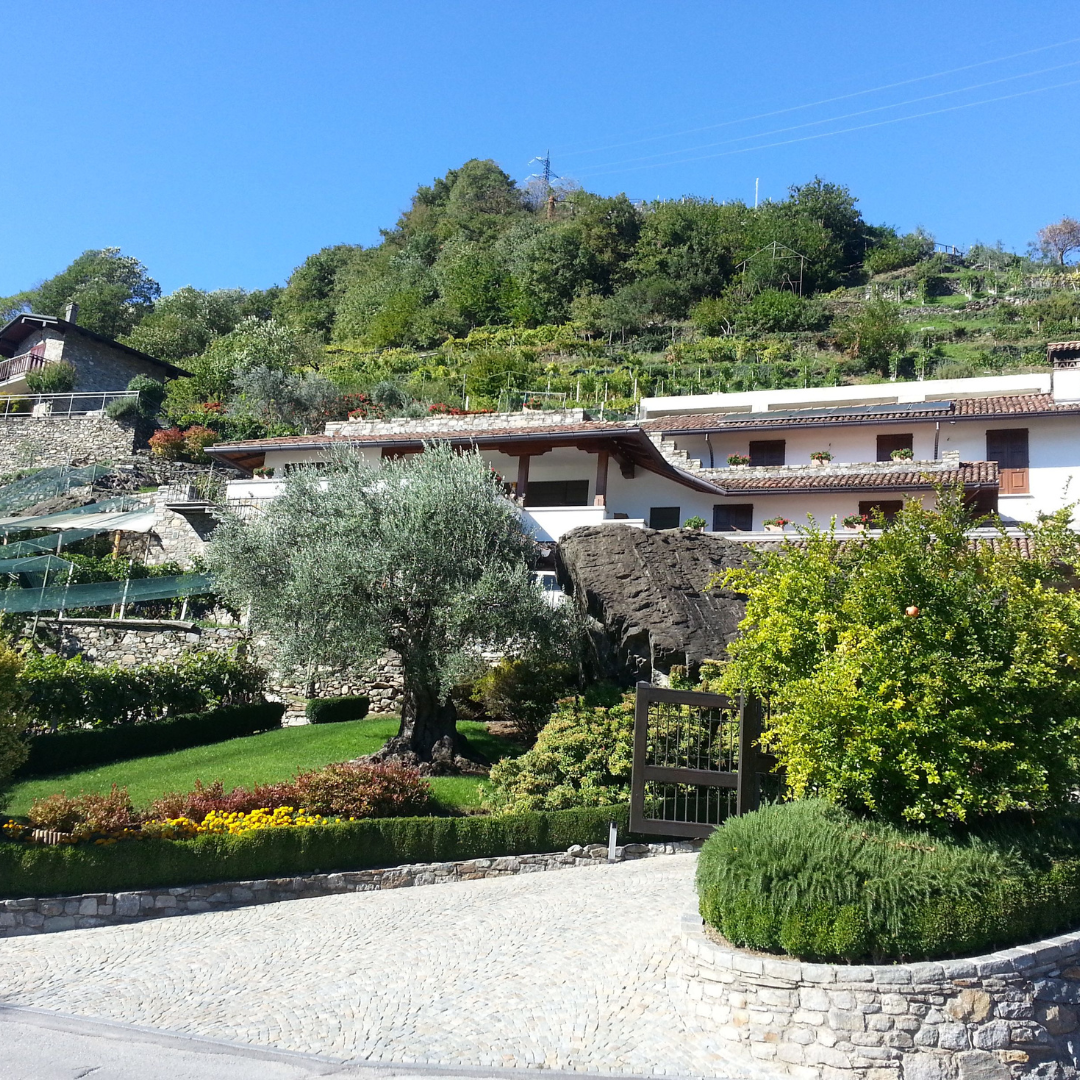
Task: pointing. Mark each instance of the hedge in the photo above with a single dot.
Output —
(31, 870)
(336, 710)
(64, 751)
(812, 880)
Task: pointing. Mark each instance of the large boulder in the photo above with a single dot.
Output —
(645, 594)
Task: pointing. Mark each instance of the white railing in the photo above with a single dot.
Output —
(61, 406)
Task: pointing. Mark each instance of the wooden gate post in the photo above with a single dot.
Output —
(749, 733)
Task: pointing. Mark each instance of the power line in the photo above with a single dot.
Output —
(824, 101)
(844, 116)
(844, 131)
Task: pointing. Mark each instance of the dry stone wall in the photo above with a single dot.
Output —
(39, 441)
(1003, 1016)
(144, 641)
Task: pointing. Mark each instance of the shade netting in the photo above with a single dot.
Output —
(104, 593)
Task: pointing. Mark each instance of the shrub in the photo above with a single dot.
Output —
(213, 798)
(196, 439)
(54, 378)
(738, 459)
(813, 880)
(582, 757)
(13, 720)
(85, 816)
(336, 710)
(361, 790)
(72, 694)
(523, 692)
(75, 749)
(151, 393)
(168, 444)
(694, 523)
(34, 870)
(123, 409)
(919, 676)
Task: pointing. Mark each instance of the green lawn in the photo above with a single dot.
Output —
(258, 759)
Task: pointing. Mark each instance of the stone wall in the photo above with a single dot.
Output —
(442, 425)
(1003, 1016)
(139, 641)
(38, 441)
(102, 367)
(178, 537)
(149, 641)
(45, 915)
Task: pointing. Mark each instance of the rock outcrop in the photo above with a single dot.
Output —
(645, 594)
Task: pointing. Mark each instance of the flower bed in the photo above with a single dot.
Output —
(68, 869)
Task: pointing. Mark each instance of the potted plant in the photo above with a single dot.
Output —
(695, 523)
(905, 453)
(856, 522)
(776, 524)
(263, 472)
(738, 459)
(821, 457)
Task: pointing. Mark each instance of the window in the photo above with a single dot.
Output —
(557, 493)
(767, 452)
(1008, 447)
(889, 507)
(664, 517)
(733, 517)
(886, 444)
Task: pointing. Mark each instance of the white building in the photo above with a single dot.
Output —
(1012, 441)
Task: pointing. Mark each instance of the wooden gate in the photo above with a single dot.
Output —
(696, 760)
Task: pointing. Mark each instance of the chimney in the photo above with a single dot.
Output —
(71, 312)
(1064, 359)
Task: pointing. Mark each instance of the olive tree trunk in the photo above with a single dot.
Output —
(428, 736)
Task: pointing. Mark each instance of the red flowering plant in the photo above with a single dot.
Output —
(168, 444)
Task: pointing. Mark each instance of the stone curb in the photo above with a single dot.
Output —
(42, 915)
(1000, 1016)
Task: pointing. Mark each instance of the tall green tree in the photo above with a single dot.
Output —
(424, 557)
(311, 295)
(114, 292)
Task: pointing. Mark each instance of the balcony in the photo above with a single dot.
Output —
(16, 367)
(551, 522)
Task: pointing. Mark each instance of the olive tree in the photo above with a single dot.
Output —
(422, 556)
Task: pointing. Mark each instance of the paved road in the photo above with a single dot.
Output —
(569, 970)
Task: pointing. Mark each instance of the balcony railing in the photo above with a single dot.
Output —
(62, 406)
(20, 365)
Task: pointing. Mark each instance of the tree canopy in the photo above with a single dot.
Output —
(424, 556)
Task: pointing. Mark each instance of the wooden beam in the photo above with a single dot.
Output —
(601, 478)
(522, 476)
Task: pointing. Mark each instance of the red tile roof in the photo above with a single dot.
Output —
(970, 474)
(840, 415)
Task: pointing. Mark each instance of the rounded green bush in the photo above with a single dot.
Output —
(813, 880)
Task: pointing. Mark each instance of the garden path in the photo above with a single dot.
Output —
(572, 970)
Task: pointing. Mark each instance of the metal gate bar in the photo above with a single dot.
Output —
(692, 752)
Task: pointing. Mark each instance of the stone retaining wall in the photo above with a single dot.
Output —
(42, 915)
(1003, 1016)
(38, 441)
(150, 641)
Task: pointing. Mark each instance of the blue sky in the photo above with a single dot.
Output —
(222, 143)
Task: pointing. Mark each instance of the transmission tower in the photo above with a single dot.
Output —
(546, 175)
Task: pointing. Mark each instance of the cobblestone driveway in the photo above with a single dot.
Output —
(571, 969)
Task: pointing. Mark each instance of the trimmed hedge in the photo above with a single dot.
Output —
(30, 870)
(336, 710)
(64, 751)
(810, 879)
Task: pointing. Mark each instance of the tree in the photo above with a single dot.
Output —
(424, 557)
(309, 301)
(113, 291)
(184, 323)
(1057, 240)
(875, 335)
(918, 676)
